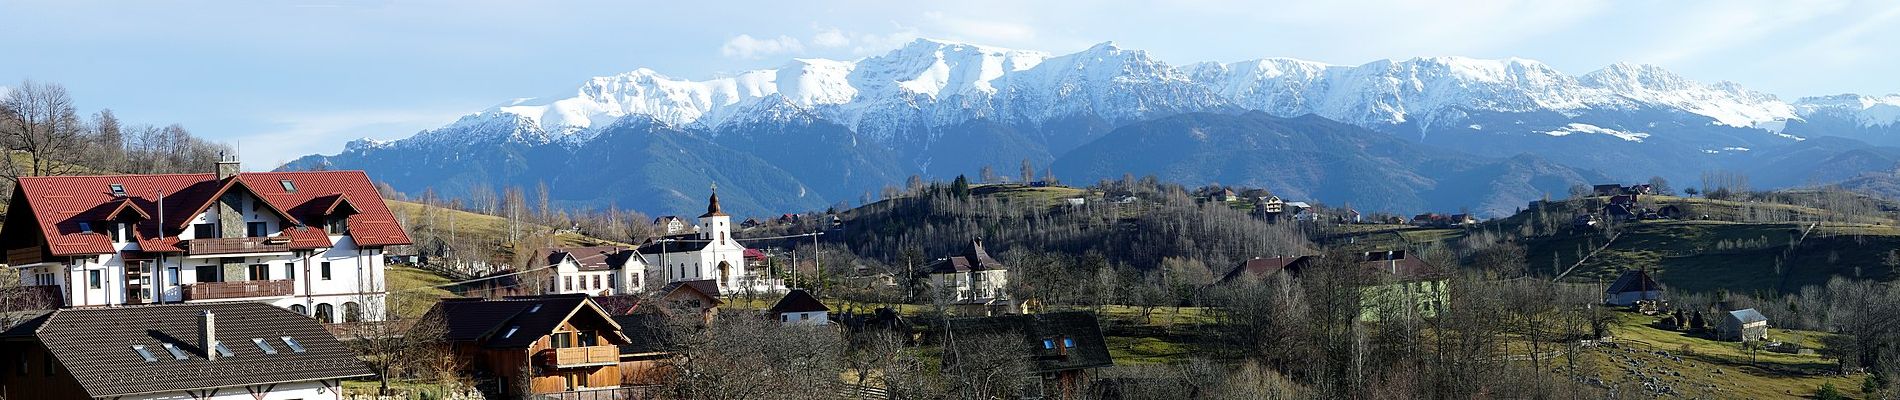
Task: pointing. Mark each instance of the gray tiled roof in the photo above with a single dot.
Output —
(1091, 348)
(532, 317)
(95, 346)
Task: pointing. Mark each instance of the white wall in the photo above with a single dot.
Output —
(356, 274)
(283, 391)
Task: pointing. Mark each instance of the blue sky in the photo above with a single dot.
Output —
(286, 78)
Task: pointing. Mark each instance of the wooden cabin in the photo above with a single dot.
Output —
(534, 345)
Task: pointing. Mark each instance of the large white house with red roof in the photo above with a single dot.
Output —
(310, 242)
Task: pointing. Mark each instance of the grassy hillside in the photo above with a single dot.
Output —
(1696, 367)
(477, 226)
(1719, 245)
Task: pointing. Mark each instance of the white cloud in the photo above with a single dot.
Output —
(831, 37)
(981, 30)
(862, 43)
(748, 47)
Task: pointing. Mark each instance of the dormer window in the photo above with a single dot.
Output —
(118, 190)
(337, 225)
(288, 186)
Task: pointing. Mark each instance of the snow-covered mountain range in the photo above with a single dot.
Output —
(938, 83)
(926, 107)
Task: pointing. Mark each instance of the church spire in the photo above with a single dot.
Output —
(712, 204)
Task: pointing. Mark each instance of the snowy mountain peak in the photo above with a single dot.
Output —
(1867, 111)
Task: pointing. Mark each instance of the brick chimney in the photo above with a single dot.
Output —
(208, 335)
(228, 166)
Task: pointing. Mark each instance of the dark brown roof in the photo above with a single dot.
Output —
(1261, 267)
(529, 317)
(704, 286)
(1633, 281)
(1090, 351)
(590, 258)
(1397, 264)
(798, 300)
(712, 206)
(974, 258)
(95, 346)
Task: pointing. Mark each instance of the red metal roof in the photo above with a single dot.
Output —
(60, 203)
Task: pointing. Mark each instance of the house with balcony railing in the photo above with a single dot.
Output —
(310, 242)
(534, 346)
(972, 281)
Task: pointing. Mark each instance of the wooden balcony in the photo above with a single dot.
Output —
(239, 245)
(582, 356)
(25, 255)
(239, 290)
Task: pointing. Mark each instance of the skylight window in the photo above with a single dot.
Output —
(222, 351)
(1048, 344)
(292, 343)
(536, 307)
(147, 355)
(177, 353)
(265, 346)
(511, 331)
(1068, 343)
(288, 187)
(117, 189)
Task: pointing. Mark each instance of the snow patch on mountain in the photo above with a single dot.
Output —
(1868, 111)
(1593, 129)
(1726, 102)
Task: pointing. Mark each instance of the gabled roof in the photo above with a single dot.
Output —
(1633, 281)
(798, 300)
(95, 346)
(1262, 267)
(226, 187)
(1090, 351)
(974, 258)
(1747, 316)
(590, 258)
(59, 204)
(1396, 264)
(490, 322)
(706, 287)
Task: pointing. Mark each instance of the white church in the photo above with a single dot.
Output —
(710, 253)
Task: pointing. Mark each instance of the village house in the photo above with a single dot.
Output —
(972, 281)
(1630, 287)
(672, 225)
(311, 242)
(1608, 189)
(798, 307)
(1745, 325)
(1063, 347)
(648, 326)
(538, 345)
(224, 351)
(709, 254)
(597, 270)
(1405, 284)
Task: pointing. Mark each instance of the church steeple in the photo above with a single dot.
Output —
(712, 204)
